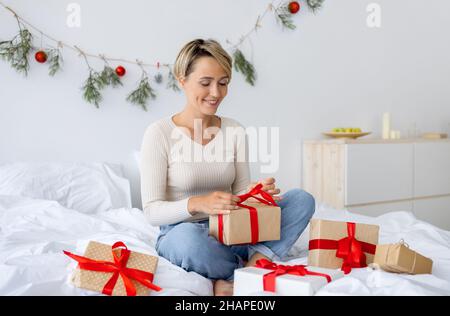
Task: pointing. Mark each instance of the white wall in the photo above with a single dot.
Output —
(333, 70)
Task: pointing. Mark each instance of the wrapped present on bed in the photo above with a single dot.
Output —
(253, 222)
(342, 245)
(114, 270)
(399, 258)
(286, 280)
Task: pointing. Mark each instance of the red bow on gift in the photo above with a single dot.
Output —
(268, 200)
(118, 267)
(279, 269)
(350, 249)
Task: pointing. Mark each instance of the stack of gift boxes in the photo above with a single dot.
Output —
(335, 248)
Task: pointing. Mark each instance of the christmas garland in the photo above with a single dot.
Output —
(17, 50)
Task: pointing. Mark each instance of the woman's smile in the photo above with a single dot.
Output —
(213, 103)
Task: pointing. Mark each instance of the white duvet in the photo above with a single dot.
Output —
(33, 234)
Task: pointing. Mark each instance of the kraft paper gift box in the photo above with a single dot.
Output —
(399, 258)
(237, 228)
(250, 280)
(99, 281)
(331, 244)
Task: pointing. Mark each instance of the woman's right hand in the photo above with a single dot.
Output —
(213, 203)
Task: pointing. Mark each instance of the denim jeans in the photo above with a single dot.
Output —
(188, 244)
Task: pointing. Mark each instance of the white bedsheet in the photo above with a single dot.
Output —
(33, 234)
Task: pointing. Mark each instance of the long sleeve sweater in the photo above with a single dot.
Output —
(174, 168)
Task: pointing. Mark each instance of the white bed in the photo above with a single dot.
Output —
(48, 208)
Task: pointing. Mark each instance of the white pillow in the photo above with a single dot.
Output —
(137, 158)
(85, 187)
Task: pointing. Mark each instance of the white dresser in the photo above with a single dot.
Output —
(372, 176)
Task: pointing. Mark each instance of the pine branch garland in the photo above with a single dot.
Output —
(314, 5)
(92, 88)
(142, 93)
(109, 77)
(5, 50)
(244, 66)
(172, 81)
(284, 16)
(16, 51)
(55, 61)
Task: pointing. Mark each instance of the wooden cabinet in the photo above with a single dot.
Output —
(373, 177)
(378, 172)
(431, 169)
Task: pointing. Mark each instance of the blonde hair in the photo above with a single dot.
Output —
(199, 48)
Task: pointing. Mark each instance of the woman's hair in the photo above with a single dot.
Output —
(200, 48)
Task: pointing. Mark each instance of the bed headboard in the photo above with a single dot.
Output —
(130, 170)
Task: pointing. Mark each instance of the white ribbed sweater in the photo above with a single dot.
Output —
(174, 168)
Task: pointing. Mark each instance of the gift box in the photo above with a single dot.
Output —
(114, 270)
(399, 258)
(344, 245)
(293, 280)
(253, 222)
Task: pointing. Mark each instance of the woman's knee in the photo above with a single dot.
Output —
(190, 247)
(180, 242)
(304, 200)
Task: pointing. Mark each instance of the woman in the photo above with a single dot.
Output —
(178, 194)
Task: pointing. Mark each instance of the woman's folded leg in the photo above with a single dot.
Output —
(189, 246)
(297, 208)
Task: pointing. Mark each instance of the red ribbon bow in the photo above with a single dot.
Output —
(118, 267)
(279, 269)
(350, 249)
(268, 200)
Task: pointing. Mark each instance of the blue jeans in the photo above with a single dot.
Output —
(188, 244)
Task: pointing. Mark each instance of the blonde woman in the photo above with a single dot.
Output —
(179, 193)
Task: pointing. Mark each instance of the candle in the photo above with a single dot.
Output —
(392, 135)
(386, 125)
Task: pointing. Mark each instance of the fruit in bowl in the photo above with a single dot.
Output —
(346, 130)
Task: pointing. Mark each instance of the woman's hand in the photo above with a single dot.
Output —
(269, 187)
(214, 203)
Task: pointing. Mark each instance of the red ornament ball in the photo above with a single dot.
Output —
(294, 7)
(41, 57)
(120, 71)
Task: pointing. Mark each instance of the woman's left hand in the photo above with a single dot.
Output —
(269, 187)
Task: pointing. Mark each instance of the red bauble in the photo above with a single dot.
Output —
(120, 71)
(41, 57)
(294, 7)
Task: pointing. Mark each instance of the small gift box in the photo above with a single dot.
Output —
(114, 270)
(252, 223)
(399, 258)
(342, 245)
(286, 280)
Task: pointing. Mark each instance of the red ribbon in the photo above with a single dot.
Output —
(279, 269)
(350, 249)
(268, 200)
(118, 267)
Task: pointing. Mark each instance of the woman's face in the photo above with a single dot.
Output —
(206, 86)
